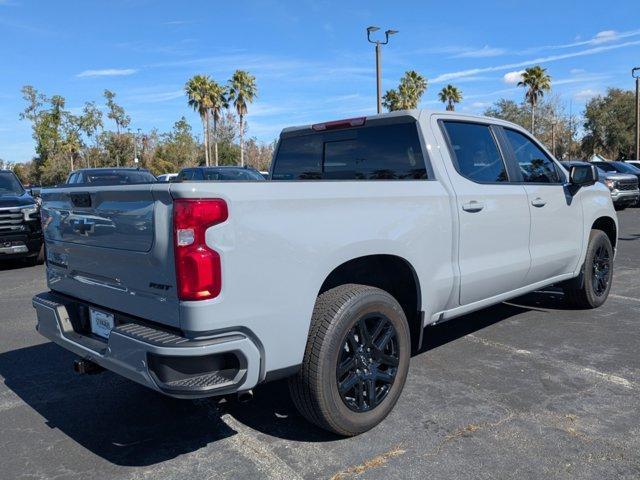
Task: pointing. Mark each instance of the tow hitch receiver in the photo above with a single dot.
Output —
(86, 366)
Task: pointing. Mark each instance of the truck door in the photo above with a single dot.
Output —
(493, 213)
(556, 215)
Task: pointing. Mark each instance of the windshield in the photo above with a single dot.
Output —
(232, 174)
(626, 168)
(606, 166)
(111, 177)
(9, 184)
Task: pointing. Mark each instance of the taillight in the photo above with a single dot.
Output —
(198, 271)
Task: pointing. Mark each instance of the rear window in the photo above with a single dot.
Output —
(383, 152)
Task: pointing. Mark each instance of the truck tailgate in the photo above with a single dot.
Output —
(112, 246)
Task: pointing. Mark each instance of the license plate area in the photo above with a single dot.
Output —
(101, 323)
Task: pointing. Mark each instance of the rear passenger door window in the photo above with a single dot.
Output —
(475, 152)
(535, 166)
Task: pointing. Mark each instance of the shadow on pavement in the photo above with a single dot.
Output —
(131, 425)
(14, 264)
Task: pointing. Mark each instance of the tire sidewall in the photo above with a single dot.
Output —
(372, 301)
(597, 239)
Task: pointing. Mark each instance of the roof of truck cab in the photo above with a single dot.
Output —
(416, 113)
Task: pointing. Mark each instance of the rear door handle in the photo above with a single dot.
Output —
(538, 202)
(473, 206)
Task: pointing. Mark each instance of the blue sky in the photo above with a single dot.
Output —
(310, 58)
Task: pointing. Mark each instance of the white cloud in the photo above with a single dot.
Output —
(107, 72)
(551, 58)
(577, 71)
(586, 94)
(481, 104)
(605, 36)
(156, 97)
(483, 52)
(512, 78)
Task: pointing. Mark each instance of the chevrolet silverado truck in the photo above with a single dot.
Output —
(20, 232)
(367, 231)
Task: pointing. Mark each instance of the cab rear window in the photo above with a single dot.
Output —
(382, 152)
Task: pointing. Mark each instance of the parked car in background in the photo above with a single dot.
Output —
(368, 230)
(20, 229)
(166, 177)
(228, 173)
(110, 176)
(620, 167)
(635, 163)
(623, 187)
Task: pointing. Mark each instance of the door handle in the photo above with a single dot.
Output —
(538, 202)
(473, 206)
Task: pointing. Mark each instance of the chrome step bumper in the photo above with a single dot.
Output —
(159, 359)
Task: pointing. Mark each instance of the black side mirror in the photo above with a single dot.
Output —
(583, 175)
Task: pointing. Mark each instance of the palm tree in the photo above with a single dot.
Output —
(412, 86)
(450, 95)
(536, 81)
(219, 101)
(407, 96)
(242, 90)
(198, 93)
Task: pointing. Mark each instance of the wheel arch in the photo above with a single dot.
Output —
(391, 273)
(608, 226)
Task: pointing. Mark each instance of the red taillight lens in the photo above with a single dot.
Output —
(198, 271)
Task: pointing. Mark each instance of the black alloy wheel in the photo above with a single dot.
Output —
(601, 270)
(368, 363)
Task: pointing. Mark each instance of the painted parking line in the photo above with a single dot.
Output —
(561, 364)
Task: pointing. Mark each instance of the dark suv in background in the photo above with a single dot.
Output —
(20, 229)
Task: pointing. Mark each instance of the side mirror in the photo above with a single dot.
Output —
(583, 175)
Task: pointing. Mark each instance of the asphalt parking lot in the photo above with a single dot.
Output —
(527, 389)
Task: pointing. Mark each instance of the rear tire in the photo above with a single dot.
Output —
(591, 288)
(355, 362)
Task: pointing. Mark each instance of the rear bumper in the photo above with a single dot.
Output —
(159, 359)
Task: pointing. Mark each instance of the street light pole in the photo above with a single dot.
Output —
(378, 44)
(635, 73)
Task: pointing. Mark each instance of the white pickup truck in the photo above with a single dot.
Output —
(367, 231)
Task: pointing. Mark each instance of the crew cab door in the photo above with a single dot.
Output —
(556, 215)
(493, 213)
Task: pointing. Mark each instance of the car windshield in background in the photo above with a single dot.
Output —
(118, 178)
(232, 174)
(221, 174)
(606, 166)
(626, 168)
(9, 184)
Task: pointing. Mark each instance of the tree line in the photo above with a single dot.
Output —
(607, 122)
(101, 135)
(66, 140)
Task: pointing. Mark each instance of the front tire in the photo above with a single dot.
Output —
(355, 362)
(591, 288)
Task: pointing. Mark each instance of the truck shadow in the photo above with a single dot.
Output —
(130, 425)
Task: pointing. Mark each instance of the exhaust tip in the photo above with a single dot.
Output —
(246, 396)
(84, 366)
